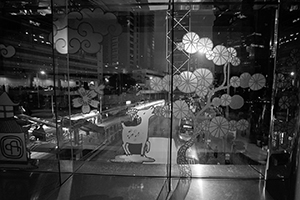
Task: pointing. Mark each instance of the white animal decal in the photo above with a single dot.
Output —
(138, 134)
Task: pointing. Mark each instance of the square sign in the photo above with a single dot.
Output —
(12, 147)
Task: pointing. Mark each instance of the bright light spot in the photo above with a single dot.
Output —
(42, 72)
(128, 102)
(202, 51)
(292, 73)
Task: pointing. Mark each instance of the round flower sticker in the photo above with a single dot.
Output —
(205, 45)
(166, 82)
(257, 81)
(190, 41)
(180, 109)
(218, 127)
(176, 81)
(86, 100)
(235, 81)
(188, 82)
(204, 76)
(156, 84)
(221, 55)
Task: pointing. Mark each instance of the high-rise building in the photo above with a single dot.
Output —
(134, 47)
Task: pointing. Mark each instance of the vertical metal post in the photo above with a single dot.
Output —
(100, 78)
(274, 56)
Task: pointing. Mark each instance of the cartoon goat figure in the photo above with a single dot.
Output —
(138, 134)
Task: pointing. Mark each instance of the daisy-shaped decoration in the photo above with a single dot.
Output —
(244, 80)
(257, 81)
(210, 55)
(232, 53)
(205, 45)
(166, 82)
(176, 81)
(180, 46)
(218, 127)
(284, 102)
(97, 88)
(232, 125)
(166, 111)
(235, 81)
(235, 61)
(156, 84)
(180, 109)
(242, 125)
(204, 76)
(225, 99)
(205, 124)
(221, 55)
(190, 41)
(157, 110)
(280, 80)
(188, 82)
(201, 91)
(86, 100)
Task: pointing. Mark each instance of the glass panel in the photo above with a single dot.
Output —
(222, 55)
(108, 114)
(28, 138)
(284, 137)
(149, 89)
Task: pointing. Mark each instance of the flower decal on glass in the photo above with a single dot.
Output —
(156, 84)
(97, 88)
(204, 76)
(188, 83)
(218, 127)
(205, 45)
(235, 61)
(257, 81)
(180, 109)
(201, 91)
(85, 101)
(242, 125)
(225, 99)
(235, 81)
(210, 55)
(190, 41)
(221, 55)
(244, 80)
(180, 46)
(176, 81)
(166, 82)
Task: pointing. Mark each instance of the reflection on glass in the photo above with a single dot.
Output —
(136, 84)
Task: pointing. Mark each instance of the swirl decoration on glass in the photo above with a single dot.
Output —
(7, 51)
(83, 30)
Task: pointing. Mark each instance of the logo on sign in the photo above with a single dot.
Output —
(11, 147)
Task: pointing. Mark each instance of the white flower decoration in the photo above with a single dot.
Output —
(86, 100)
(97, 88)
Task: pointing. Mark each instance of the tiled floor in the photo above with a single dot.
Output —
(95, 181)
(132, 181)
